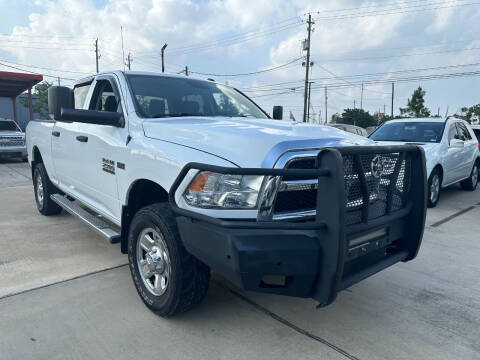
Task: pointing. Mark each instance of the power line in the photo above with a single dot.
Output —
(393, 12)
(46, 68)
(271, 87)
(249, 73)
(32, 72)
(385, 4)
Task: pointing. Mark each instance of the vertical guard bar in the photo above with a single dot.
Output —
(393, 181)
(363, 184)
(418, 196)
(331, 205)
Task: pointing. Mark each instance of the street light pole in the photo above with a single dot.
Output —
(163, 51)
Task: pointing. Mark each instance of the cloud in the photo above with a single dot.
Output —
(209, 36)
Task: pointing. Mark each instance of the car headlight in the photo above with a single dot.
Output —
(213, 190)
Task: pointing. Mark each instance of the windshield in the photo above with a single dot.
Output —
(8, 126)
(409, 132)
(158, 96)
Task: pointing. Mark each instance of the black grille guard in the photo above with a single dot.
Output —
(329, 222)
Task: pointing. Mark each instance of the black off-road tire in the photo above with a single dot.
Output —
(433, 200)
(46, 206)
(189, 278)
(470, 184)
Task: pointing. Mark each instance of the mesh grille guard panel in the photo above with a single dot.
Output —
(375, 185)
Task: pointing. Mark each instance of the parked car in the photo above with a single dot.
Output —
(476, 130)
(451, 150)
(12, 140)
(370, 129)
(197, 177)
(351, 129)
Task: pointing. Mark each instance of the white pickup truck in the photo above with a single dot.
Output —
(12, 140)
(190, 175)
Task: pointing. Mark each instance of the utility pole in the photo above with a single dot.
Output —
(438, 112)
(129, 61)
(446, 113)
(393, 92)
(163, 61)
(326, 105)
(307, 67)
(308, 109)
(123, 49)
(354, 106)
(361, 98)
(96, 53)
(383, 109)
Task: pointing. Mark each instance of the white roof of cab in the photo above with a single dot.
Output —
(149, 73)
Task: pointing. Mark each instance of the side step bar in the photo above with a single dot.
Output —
(97, 224)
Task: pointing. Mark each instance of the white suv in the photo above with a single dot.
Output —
(451, 150)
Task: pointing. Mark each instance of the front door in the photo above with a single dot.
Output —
(99, 148)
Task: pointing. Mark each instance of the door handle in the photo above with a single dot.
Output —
(82, 138)
(56, 133)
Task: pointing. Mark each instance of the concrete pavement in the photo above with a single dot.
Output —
(74, 300)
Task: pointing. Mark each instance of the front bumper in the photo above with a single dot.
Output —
(307, 259)
(13, 150)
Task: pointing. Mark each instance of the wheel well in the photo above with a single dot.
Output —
(36, 158)
(440, 170)
(142, 193)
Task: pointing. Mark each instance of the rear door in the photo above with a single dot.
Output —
(469, 150)
(453, 160)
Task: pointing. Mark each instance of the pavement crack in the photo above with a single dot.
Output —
(285, 322)
(451, 217)
(63, 281)
(18, 172)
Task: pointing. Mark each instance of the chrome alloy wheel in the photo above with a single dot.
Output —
(153, 261)
(434, 188)
(39, 190)
(474, 175)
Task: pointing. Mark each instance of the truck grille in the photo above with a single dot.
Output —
(6, 141)
(374, 185)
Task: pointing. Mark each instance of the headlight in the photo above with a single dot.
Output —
(213, 190)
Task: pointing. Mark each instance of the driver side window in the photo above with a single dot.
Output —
(103, 97)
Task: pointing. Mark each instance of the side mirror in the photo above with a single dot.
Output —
(277, 113)
(456, 143)
(92, 117)
(59, 97)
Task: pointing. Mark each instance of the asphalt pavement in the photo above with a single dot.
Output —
(67, 294)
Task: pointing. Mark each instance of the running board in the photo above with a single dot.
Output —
(97, 224)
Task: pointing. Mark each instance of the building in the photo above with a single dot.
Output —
(12, 86)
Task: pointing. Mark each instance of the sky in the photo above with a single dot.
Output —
(258, 44)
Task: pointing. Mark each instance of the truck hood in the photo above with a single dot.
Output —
(244, 141)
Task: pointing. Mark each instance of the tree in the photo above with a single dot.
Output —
(416, 105)
(356, 117)
(40, 105)
(470, 114)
